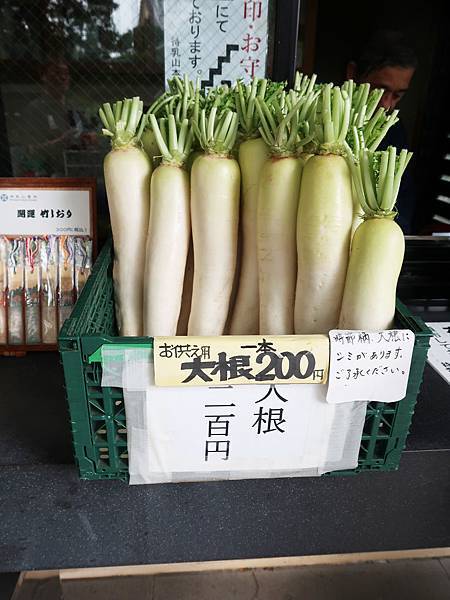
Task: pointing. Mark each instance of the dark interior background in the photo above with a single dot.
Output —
(107, 61)
(329, 32)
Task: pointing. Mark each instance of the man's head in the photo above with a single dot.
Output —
(387, 62)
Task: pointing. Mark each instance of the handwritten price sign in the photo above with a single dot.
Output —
(369, 366)
(212, 361)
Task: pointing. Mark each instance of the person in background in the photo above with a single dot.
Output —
(387, 61)
(52, 126)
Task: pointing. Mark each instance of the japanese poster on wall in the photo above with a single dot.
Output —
(215, 41)
(46, 245)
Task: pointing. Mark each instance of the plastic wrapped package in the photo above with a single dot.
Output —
(32, 291)
(83, 262)
(15, 294)
(40, 279)
(66, 266)
(48, 247)
(3, 286)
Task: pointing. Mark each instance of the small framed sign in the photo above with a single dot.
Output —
(47, 245)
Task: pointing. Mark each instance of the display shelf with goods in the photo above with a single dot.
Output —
(98, 413)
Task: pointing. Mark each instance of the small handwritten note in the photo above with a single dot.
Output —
(369, 366)
(439, 352)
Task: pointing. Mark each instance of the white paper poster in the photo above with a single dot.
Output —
(439, 352)
(45, 212)
(366, 366)
(215, 40)
(229, 432)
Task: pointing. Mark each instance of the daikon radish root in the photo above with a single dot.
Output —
(169, 230)
(378, 244)
(215, 183)
(127, 171)
(277, 210)
(324, 220)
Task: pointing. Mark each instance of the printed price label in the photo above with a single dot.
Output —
(369, 366)
(212, 361)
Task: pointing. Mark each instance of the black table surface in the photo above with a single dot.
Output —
(51, 519)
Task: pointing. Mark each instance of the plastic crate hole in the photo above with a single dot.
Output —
(380, 448)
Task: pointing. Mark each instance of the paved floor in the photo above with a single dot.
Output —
(418, 579)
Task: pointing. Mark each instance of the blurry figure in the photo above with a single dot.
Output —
(387, 61)
(51, 125)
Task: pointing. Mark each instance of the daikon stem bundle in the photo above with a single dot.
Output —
(307, 168)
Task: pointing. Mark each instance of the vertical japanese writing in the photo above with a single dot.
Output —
(250, 43)
(175, 55)
(218, 416)
(270, 419)
(195, 45)
(223, 14)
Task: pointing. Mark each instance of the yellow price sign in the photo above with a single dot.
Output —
(237, 360)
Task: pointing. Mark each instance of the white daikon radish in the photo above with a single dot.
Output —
(253, 153)
(127, 172)
(324, 220)
(215, 183)
(279, 188)
(169, 230)
(378, 244)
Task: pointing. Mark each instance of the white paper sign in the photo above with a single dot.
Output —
(238, 432)
(439, 352)
(216, 41)
(230, 432)
(367, 366)
(45, 212)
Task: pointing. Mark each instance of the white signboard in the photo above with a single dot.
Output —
(439, 352)
(215, 40)
(45, 212)
(229, 432)
(369, 366)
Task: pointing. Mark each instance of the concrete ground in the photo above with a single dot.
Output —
(412, 579)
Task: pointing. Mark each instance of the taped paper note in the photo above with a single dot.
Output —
(367, 366)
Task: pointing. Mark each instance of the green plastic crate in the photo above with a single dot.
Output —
(98, 413)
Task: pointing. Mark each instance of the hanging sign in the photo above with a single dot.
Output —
(215, 41)
(210, 361)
